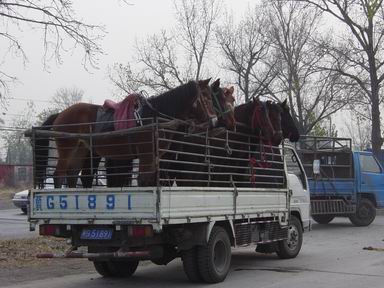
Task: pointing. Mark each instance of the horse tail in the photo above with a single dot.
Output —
(42, 151)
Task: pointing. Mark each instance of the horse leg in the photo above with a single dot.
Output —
(119, 172)
(87, 174)
(59, 174)
(75, 163)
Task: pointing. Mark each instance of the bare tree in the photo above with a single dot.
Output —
(314, 91)
(246, 50)
(59, 28)
(171, 58)
(62, 99)
(359, 56)
(358, 128)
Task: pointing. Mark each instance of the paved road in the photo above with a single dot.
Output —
(332, 256)
(14, 225)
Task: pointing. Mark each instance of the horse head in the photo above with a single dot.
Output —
(288, 126)
(259, 119)
(203, 108)
(275, 117)
(223, 102)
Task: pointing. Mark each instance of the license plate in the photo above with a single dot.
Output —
(96, 234)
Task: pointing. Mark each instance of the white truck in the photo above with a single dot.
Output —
(120, 226)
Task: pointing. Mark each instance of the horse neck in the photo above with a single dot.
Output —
(243, 113)
(175, 103)
(288, 125)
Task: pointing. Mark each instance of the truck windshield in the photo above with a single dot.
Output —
(368, 164)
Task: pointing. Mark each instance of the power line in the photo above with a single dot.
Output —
(31, 100)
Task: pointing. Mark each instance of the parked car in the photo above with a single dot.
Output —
(20, 199)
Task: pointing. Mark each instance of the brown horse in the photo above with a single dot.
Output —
(189, 101)
(223, 102)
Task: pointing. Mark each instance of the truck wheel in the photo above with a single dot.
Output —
(290, 247)
(122, 268)
(365, 213)
(214, 259)
(116, 268)
(24, 210)
(102, 268)
(323, 219)
(190, 265)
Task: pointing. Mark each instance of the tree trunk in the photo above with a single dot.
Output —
(377, 140)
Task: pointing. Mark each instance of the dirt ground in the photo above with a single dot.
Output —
(18, 262)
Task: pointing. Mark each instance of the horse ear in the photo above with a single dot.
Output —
(206, 81)
(255, 98)
(216, 84)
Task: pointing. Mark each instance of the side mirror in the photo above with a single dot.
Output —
(316, 167)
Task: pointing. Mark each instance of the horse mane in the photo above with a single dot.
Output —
(288, 124)
(174, 103)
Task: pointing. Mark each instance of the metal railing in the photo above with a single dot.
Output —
(159, 153)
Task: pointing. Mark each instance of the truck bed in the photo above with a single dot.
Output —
(157, 206)
(331, 187)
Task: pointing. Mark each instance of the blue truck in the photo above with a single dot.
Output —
(342, 182)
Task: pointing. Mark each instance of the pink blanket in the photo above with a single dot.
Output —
(124, 111)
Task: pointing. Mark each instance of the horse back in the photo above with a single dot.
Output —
(79, 113)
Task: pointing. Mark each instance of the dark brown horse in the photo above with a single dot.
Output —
(194, 167)
(259, 126)
(189, 101)
(223, 102)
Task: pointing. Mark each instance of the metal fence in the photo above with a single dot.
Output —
(159, 153)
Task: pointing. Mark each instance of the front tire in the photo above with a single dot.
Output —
(290, 247)
(323, 219)
(365, 213)
(214, 259)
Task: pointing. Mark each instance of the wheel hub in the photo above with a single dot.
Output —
(219, 256)
(293, 237)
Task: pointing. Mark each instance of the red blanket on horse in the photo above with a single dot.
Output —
(124, 114)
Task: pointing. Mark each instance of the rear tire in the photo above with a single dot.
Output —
(118, 269)
(123, 268)
(24, 210)
(190, 264)
(365, 213)
(323, 219)
(214, 259)
(290, 247)
(102, 268)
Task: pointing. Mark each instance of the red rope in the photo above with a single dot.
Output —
(263, 163)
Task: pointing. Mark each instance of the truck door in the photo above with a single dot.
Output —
(371, 177)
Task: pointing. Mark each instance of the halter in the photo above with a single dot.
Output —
(204, 103)
(218, 108)
(257, 117)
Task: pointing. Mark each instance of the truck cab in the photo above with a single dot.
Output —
(298, 184)
(369, 179)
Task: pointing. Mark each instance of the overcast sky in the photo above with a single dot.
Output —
(123, 23)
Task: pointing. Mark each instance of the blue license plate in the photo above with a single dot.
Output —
(96, 234)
